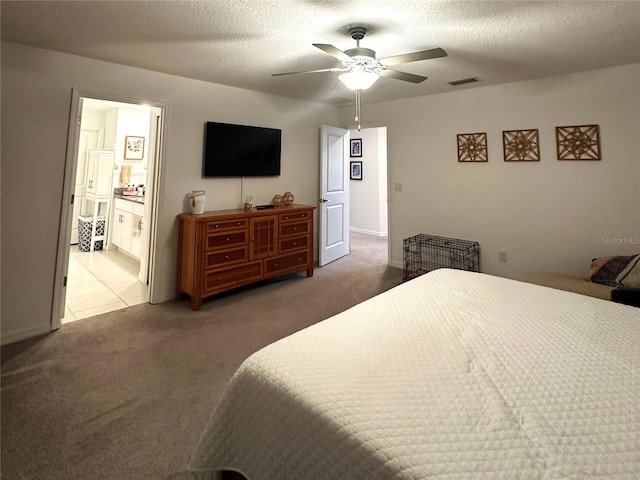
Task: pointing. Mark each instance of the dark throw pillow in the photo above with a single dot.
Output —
(616, 271)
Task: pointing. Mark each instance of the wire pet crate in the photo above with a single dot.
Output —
(424, 253)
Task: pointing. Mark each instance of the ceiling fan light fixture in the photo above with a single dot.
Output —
(362, 68)
(359, 79)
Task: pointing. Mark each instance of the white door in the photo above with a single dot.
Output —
(147, 222)
(334, 194)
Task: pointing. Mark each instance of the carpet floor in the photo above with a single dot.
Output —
(125, 395)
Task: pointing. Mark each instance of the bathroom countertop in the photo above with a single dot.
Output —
(130, 198)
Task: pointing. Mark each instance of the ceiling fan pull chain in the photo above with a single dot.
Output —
(358, 109)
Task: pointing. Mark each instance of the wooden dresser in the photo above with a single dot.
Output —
(225, 249)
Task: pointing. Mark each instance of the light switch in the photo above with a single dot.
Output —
(397, 187)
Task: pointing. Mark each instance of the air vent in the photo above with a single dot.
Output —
(462, 81)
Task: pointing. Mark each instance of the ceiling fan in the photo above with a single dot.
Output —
(361, 68)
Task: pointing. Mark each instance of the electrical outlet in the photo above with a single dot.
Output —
(502, 256)
(397, 187)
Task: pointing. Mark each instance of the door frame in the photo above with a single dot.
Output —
(354, 128)
(68, 191)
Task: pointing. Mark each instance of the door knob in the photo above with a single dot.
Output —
(323, 200)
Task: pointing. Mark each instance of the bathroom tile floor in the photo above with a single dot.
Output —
(100, 282)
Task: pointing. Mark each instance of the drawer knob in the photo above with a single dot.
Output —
(286, 218)
(295, 229)
(216, 225)
(227, 239)
(219, 278)
(275, 264)
(249, 271)
(299, 259)
(226, 257)
(295, 244)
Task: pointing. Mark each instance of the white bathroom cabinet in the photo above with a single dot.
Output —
(128, 225)
(99, 190)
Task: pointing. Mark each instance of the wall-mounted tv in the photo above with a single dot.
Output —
(241, 151)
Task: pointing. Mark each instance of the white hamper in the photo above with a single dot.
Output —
(85, 224)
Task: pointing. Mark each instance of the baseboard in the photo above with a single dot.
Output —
(397, 264)
(24, 333)
(163, 297)
(368, 232)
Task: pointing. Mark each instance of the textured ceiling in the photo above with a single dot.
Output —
(241, 43)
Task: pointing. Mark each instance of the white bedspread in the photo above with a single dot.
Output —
(453, 375)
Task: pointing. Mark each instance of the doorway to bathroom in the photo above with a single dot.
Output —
(109, 228)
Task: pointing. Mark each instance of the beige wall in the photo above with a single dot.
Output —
(549, 215)
(36, 95)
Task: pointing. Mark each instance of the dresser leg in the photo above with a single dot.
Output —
(196, 303)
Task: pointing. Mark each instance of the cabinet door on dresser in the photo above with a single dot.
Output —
(264, 237)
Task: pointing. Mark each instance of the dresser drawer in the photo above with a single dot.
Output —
(217, 280)
(296, 228)
(226, 240)
(293, 216)
(226, 225)
(287, 262)
(223, 259)
(294, 244)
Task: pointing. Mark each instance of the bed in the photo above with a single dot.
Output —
(452, 375)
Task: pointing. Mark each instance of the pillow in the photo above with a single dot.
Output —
(616, 271)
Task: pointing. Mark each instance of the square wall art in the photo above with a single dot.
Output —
(521, 145)
(472, 147)
(580, 142)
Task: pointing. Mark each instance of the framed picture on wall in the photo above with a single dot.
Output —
(521, 145)
(472, 147)
(356, 147)
(133, 148)
(580, 142)
(356, 170)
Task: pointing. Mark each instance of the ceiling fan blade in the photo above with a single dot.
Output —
(414, 57)
(333, 51)
(407, 77)
(311, 71)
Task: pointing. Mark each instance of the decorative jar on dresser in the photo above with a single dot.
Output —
(226, 249)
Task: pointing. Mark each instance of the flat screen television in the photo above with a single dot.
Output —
(241, 151)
